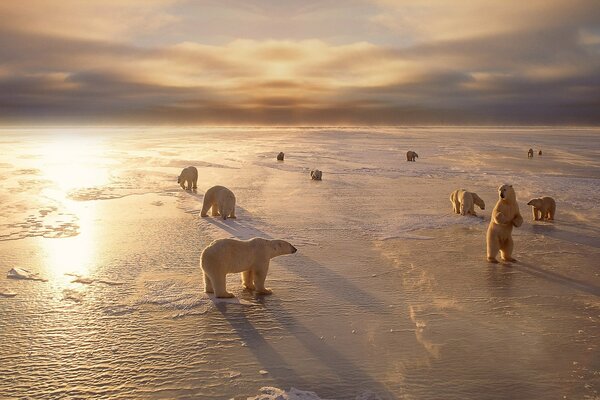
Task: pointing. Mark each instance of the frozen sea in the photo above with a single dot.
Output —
(389, 296)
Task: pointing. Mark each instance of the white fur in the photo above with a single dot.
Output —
(463, 202)
(504, 216)
(250, 257)
(189, 175)
(222, 201)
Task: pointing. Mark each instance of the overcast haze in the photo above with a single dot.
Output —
(292, 62)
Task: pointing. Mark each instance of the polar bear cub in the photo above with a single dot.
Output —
(543, 208)
(463, 202)
(221, 200)
(188, 175)
(250, 257)
(504, 216)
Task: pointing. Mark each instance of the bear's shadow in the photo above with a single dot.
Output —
(347, 372)
(554, 277)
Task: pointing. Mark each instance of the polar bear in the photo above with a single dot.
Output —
(539, 153)
(504, 216)
(250, 257)
(280, 156)
(222, 201)
(411, 155)
(543, 208)
(463, 202)
(189, 175)
(316, 175)
(530, 153)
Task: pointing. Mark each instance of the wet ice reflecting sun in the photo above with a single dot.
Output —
(71, 163)
(73, 255)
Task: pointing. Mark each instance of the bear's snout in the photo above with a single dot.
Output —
(502, 194)
(294, 249)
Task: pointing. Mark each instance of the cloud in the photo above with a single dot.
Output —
(439, 62)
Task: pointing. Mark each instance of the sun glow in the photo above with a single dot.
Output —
(71, 163)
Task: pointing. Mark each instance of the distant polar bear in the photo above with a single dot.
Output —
(411, 155)
(189, 175)
(530, 153)
(316, 175)
(463, 202)
(280, 156)
(499, 234)
(250, 257)
(543, 208)
(222, 201)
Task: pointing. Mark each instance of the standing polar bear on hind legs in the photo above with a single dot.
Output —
(499, 234)
(188, 175)
(222, 201)
(250, 257)
(464, 202)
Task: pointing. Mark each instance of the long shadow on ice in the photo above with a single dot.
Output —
(347, 373)
(557, 278)
(577, 233)
(310, 270)
(268, 357)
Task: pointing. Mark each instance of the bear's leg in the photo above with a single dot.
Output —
(208, 288)
(247, 279)
(493, 245)
(260, 275)
(195, 183)
(232, 215)
(534, 210)
(205, 207)
(551, 214)
(506, 250)
(222, 212)
(215, 210)
(462, 209)
(219, 282)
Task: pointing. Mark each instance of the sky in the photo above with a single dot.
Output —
(278, 62)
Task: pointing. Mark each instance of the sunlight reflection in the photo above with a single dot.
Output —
(70, 163)
(74, 162)
(73, 255)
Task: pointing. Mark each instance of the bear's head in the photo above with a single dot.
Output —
(281, 247)
(535, 202)
(415, 154)
(506, 192)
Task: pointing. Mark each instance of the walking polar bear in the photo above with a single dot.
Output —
(463, 202)
(411, 155)
(188, 175)
(543, 208)
(222, 201)
(250, 257)
(504, 216)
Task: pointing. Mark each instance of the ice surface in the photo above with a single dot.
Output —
(20, 273)
(389, 295)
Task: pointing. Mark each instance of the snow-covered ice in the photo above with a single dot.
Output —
(389, 295)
